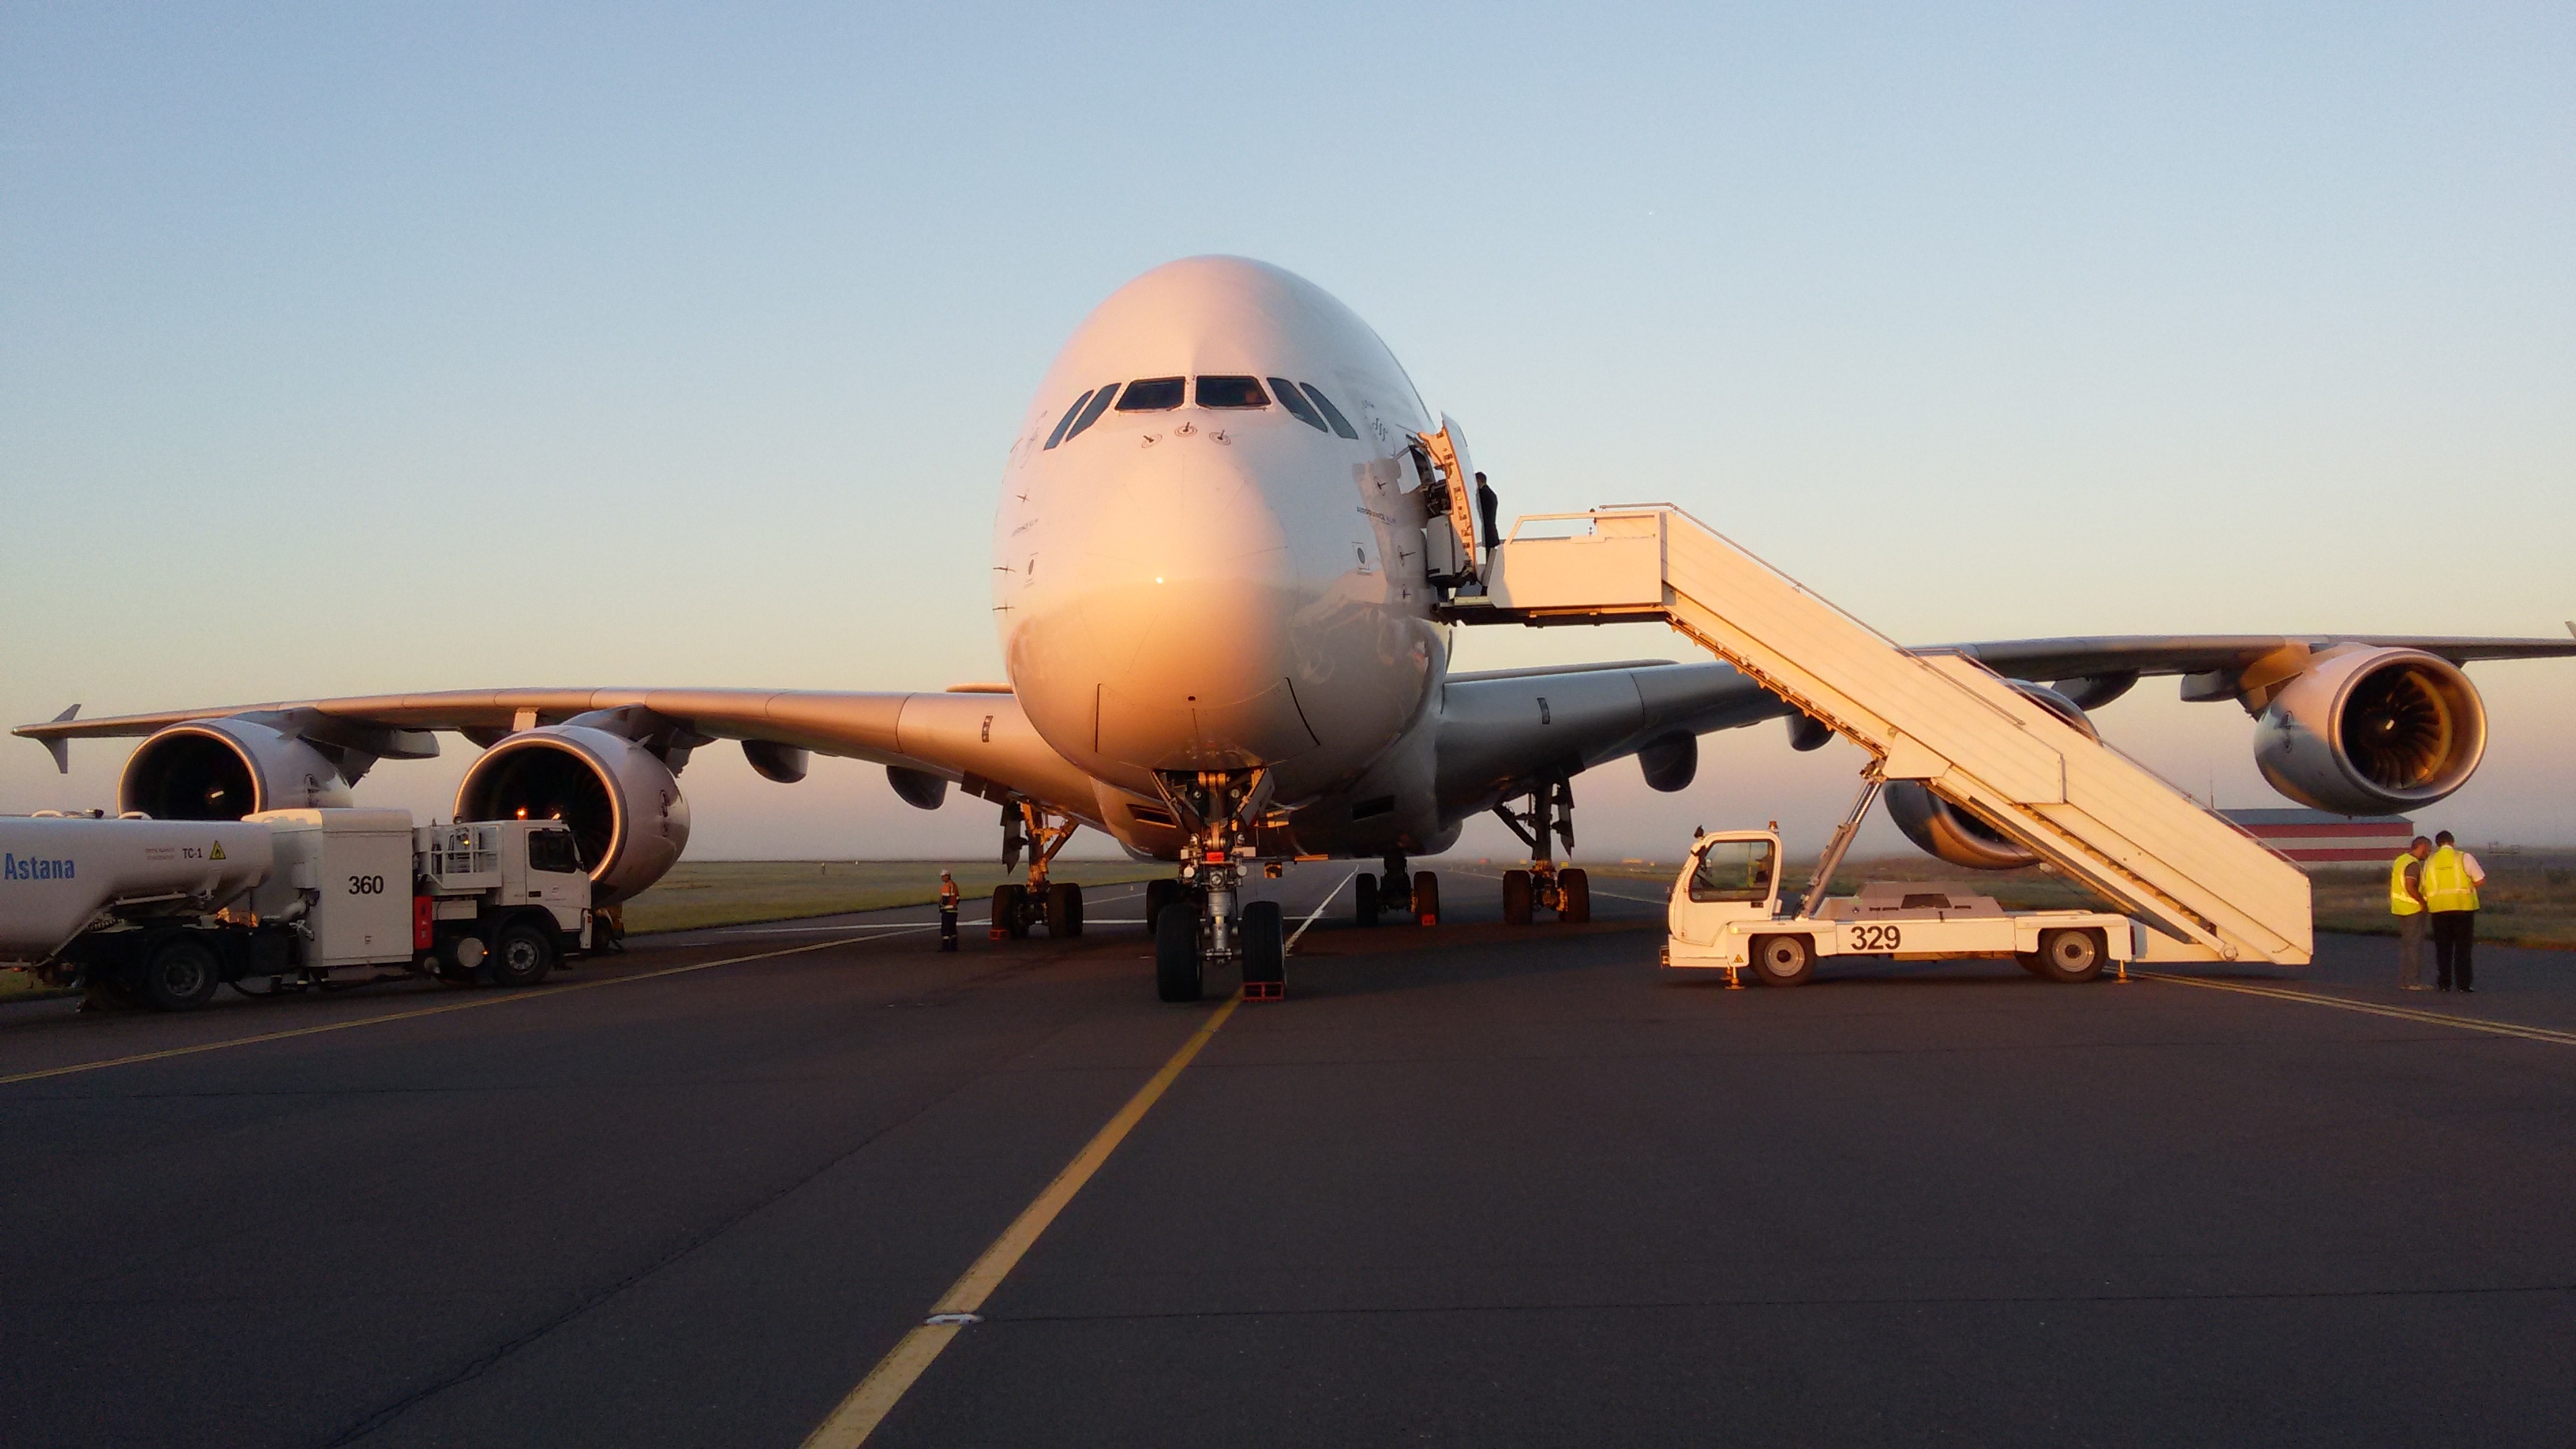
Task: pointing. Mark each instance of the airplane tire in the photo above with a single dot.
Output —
(1516, 898)
(1783, 960)
(1179, 973)
(180, 975)
(1366, 902)
(1064, 910)
(1265, 943)
(1158, 894)
(1006, 911)
(2070, 955)
(1573, 897)
(1426, 897)
(522, 955)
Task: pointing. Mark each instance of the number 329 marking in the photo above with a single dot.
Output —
(1876, 938)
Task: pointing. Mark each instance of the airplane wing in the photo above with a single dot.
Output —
(1503, 729)
(977, 737)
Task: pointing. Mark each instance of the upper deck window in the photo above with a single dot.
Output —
(1232, 392)
(1341, 425)
(1091, 414)
(1066, 421)
(1296, 404)
(1151, 395)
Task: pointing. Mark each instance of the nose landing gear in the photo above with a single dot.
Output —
(1567, 891)
(1197, 920)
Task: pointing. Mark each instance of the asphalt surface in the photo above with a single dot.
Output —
(1468, 1185)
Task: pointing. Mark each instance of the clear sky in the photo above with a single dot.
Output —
(357, 348)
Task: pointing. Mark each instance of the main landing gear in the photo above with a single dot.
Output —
(1568, 892)
(1418, 897)
(1056, 905)
(1198, 920)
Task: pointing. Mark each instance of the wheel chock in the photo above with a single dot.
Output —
(1265, 991)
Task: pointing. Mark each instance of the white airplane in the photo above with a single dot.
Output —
(1223, 564)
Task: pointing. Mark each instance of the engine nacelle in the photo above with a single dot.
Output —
(2372, 731)
(623, 804)
(224, 769)
(1942, 829)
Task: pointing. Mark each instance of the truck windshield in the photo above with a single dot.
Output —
(1733, 870)
(553, 850)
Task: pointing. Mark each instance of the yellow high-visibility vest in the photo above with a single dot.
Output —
(2446, 882)
(2399, 902)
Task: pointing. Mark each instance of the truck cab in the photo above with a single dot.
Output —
(512, 894)
(1731, 879)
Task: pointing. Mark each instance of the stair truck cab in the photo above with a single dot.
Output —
(1727, 915)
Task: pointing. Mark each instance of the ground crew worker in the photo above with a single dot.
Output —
(2451, 879)
(947, 912)
(2406, 903)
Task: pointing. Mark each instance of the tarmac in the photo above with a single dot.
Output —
(1468, 1185)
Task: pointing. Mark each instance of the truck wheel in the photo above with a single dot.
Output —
(1366, 902)
(180, 975)
(1265, 951)
(521, 956)
(1178, 971)
(2070, 955)
(1426, 897)
(1064, 910)
(1516, 898)
(1783, 960)
(1573, 897)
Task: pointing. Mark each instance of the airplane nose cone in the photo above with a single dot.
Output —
(1167, 647)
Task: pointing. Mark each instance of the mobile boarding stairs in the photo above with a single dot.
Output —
(2208, 890)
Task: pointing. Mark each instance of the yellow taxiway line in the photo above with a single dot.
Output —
(2370, 1008)
(497, 999)
(875, 1397)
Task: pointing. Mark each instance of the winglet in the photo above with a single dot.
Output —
(2571, 627)
(61, 749)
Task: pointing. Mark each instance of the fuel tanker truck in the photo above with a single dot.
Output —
(164, 912)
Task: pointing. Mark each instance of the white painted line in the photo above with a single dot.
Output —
(1318, 911)
(2369, 1008)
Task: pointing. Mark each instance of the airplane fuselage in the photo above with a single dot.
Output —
(1221, 566)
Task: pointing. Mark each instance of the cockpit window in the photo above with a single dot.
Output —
(1151, 395)
(1091, 414)
(1296, 404)
(1341, 425)
(1066, 421)
(1232, 392)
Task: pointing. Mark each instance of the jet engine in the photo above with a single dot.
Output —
(2372, 731)
(1942, 829)
(622, 802)
(224, 769)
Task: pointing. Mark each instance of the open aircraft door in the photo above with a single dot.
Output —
(1450, 530)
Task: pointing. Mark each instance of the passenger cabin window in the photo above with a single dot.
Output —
(1151, 395)
(1232, 392)
(1091, 414)
(1066, 421)
(553, 850)
(1734, 870)
(1296, 404)
(1332, 414)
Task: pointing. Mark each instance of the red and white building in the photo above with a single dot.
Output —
(2312, 838)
